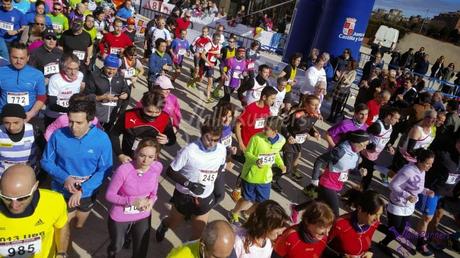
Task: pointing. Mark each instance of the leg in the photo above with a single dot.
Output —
(433, 224)
(329, 197)
(367, 179)
(81, 216)
(141, 236)
(117, 236)
(209, 88)
(198, 224)
(174, 218)
(396, 226)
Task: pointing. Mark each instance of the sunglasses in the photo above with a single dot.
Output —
(18, 199)
(57, 10)
(50, 38)
(39, 24)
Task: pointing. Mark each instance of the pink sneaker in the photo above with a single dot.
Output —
(294, 213)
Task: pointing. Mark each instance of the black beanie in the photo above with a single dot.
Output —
(13, 110)
(358, 136)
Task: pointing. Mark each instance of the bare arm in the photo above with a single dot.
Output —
(238, 136)
(61, 238)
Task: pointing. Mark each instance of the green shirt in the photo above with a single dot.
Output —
(92, 33)
(73, 3)
(60, 23)
(260, 147)
(189, 250)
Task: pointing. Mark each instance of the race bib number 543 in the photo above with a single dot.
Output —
(21, 248)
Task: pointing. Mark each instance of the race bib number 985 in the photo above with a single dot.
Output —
(21, 248)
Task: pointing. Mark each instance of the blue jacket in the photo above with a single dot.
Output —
(66, 155)
(14, 17)
(27, 80)
(156, 63)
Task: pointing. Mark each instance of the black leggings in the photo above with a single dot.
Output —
(369, 166)
(289, 159)
(140, 231)
(329, 197)
(395, 223)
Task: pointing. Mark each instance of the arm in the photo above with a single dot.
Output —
(397, 182)
(61, 228)
(329, 140)
(115, 133)
(114, 187)
(238, 136)
(153, 194)
(103, 168)
(48, 162)
(249, 153)
(169, 132)
(36, 107)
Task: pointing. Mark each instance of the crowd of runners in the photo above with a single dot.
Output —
(68, 127)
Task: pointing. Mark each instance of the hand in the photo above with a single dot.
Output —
(195, 188)
(233, 150)
(283, 169)
(87, 61)
(259, 163)
(317, 136)
(412, 199)
(400, 97)
(74, 200)
(367, 255)
(430, 193)
(363, 171)
(111, 97)
(12, 32)
(133, 81)
(29, 115)
(148, 204)
(229, 165)
(124, 158)
(391, 150)
(162, 138)
(292, 140)
(123, 96)
(70, 183)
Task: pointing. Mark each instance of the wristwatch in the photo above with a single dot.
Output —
(61, 255)
(186, 183)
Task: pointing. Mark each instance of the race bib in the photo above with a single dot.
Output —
(99, 35)
(21, 98)
(182, 51)
(260, 123)
(51, 68)
(57, 27)
(115, 50)
(6, 25)
(251, 66)
(131, 210)
(300, 138)
(136, 143)
(213, 59)
(236, 74)
(63, 102)
(207, 177)
(80, 178)
(452, 179)
(343, 177)
(21, 248)
(227, 141)
(130, 72)
(256, 94)
(110, 103)
(79, 54)
(267, 159)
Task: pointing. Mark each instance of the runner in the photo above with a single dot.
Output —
(78, 158)
(252, 56)
(209, 56)
(58, 19)
(197, 47)
(115, 42)
(78, 42)
(136, 124)
(216, 241)
(234, 72)
(18, 139)
(158, 61)
(194, 169)
(405, 188)
(30, 227)
(250, 91)
(374, 105)
(263, 151)
(254, 238)
(46, 58)
(62, 86)
(132, 192)
(309, 237)
(279, 104)
(179, 48)
(131, 67)
(226, 53)
(156, 32)
(289, 73)
(22, 84)
(12, 22)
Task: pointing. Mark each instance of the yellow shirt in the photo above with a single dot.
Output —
(189, 250)
(291, 79)
(34, 235)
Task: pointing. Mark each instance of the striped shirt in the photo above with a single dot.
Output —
(21, 152)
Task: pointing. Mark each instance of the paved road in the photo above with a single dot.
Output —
(92, 240)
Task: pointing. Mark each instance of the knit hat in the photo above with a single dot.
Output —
(13, 110)
(358, 136)
(112, 61)
(164, 82)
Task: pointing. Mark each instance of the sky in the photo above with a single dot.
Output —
(425, 8)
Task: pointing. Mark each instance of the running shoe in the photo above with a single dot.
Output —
(294, 213)
(296, 175)
(424, 250)
(216, 93)
(385, 249)
(191, 84)
(311, 191)
(234, 218)
(161, 232)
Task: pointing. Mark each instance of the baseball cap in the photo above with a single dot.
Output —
(49, 32)
(112, 61)
(164, 82)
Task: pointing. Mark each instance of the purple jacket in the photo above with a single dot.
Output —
(409, 181)
(347, 125)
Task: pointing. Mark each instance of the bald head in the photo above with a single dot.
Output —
(218, 239)
(17, 181)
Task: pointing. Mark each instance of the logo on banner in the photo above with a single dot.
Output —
(349, 26)
(348, 31)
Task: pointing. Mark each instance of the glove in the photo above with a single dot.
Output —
(195, 188)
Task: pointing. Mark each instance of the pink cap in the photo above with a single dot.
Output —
(164, 82)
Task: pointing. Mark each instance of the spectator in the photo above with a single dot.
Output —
(315, 73)
(126, 11)
(342, 89)
(421, 67)
(183, 23)
(407, 59)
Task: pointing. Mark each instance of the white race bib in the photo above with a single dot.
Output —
(207, 177)
(21, 248)
(57, 27)
(99, 35)
(130, 72)
(343, 177)
(115, 50)
(452, 179)
(251, 66)
(267, 159)
(236, 74)
(64, 102)
(256, 94)
(182, 51)
(110, 103)
(79, 54)
(260, 123)
(227, 141)
(21, 98)
(6, 25)
(51, 68)
(131, 210)
(136, 143)
(212, 59)
(80, 178)
(300, 138)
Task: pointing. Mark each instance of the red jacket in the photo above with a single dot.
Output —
(345, 239)
(290, 245)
